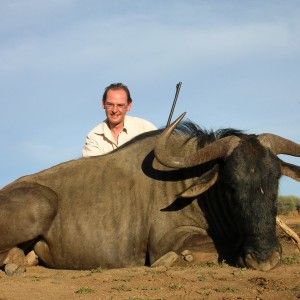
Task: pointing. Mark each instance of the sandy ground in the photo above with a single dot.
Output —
(198, 281)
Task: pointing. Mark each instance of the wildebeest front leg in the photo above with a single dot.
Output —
(193, 248)
(166, 260)
(26, 213)
(198, 248)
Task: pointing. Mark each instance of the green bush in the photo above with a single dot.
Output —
(287, 204)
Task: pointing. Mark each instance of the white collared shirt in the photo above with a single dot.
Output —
(100, 140)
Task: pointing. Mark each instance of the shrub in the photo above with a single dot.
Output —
(287, 204)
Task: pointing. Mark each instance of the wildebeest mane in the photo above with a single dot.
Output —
(204, 136)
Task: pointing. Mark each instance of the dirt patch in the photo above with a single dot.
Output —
(199, 281)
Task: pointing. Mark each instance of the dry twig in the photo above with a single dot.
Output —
(291, 233)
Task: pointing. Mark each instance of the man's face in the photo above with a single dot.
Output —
(116, 106)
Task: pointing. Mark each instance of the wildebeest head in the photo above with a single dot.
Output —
(248, 177)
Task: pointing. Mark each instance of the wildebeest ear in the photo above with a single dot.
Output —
(202, 184)
(290, 170)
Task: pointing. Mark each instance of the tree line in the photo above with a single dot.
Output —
(287, 204)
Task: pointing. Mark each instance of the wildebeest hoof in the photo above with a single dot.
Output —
(32, 259)
(187, 255)
(13, 270)
(166, 260)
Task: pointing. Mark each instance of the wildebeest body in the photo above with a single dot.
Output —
(151, 196)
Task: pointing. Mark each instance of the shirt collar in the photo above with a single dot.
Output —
(103, 128)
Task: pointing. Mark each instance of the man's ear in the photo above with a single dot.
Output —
(103, 104)
(129, 106)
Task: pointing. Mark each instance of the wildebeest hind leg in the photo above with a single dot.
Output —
(26, 213)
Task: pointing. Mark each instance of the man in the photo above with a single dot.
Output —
(118, 128)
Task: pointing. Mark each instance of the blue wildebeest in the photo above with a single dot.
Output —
(163, 196)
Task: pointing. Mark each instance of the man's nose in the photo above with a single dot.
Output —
(115, 108)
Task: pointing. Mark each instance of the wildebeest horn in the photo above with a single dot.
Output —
(218, 149)
(279, 145)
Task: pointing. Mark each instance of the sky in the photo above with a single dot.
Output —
(238, 61)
